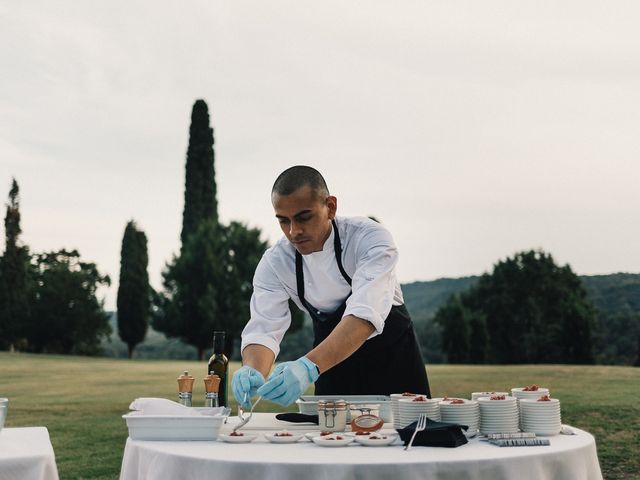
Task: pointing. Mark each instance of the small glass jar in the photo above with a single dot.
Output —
(332, 415)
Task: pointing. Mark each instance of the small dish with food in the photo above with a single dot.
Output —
(283, 436)
(333, 440)
(377, 440)
(237, 437)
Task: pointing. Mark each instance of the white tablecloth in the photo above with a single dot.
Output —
(568, 457)
(26, 454)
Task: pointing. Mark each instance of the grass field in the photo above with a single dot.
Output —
(81, 400)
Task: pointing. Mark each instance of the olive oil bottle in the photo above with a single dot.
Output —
(219, 365)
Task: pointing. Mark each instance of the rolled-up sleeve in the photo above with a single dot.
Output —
(373, 284)
(270, 315)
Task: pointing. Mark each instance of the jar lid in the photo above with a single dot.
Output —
(366, 423)
(332, 404)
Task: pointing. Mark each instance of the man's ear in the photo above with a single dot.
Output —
(332, 206)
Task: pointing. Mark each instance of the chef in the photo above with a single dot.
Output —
(342, 272)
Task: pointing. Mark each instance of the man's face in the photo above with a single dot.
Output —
(304, 218)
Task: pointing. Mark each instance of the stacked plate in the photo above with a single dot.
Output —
(409, 409)
(462, 412)
(541, 417)
(477, 395)
(498, 414)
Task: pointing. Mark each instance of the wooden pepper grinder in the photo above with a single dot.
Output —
(211, 386)
(185, 388)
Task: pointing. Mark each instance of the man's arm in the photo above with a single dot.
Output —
(259, 357)
(348, 336)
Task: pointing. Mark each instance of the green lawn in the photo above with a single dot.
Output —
(81, 400)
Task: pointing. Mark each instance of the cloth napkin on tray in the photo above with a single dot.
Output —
(436, 434)
(162, 406)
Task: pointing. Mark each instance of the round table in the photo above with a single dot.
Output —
(26, 454)
(568, 456)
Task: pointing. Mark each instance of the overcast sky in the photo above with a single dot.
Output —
(472, 130)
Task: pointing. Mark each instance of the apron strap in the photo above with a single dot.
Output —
(337, 247)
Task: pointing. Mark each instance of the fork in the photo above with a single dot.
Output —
(420, 426)
(244, 420)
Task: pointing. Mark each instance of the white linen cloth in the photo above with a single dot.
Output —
(369, 257)
(162, 406)
(568, 457)
(27, 454)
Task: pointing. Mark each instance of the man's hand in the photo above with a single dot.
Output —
(289, 380)
(245, 384)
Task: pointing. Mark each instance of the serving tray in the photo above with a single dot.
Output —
(173, 427)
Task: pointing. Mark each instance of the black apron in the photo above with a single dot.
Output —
(387, 363)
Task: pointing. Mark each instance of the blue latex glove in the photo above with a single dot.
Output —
(245, 384)
(289, 380)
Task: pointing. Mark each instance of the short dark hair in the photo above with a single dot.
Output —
(297, 177)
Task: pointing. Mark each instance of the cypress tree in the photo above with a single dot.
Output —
(133, 288)
(14, 276)
(200, 203)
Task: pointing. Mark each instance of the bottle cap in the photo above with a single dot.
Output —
(211, 383)
(185, 382)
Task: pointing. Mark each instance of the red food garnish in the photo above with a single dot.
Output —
(323, 434)
(456, 401)
(498, 397)
(282, 434)
(377, 437)
(236, 434)
(531, 388)
(362, 433)
(419, 399)
(544, 398)
(408, 394)
(339, 438)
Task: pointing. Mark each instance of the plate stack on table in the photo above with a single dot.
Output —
(410, 408)
(462, 412)
(532, 392)
(498, 414)
(540, 416)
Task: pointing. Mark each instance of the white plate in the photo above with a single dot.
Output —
(273, 438)
(327, 442)
(233, 439)
(369, 442)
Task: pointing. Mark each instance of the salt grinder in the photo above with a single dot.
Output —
(211, 385)
(185, 388)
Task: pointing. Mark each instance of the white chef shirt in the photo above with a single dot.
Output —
(369, 257)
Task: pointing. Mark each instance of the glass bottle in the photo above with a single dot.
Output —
(219, 365)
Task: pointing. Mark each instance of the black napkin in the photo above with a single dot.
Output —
(297, 418)
(436, 434)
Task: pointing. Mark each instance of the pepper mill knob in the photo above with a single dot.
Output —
(211, 383)
(185, 382)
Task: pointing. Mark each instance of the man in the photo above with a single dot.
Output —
(342, 272)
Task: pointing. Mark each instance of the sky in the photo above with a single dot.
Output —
(472, 130)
